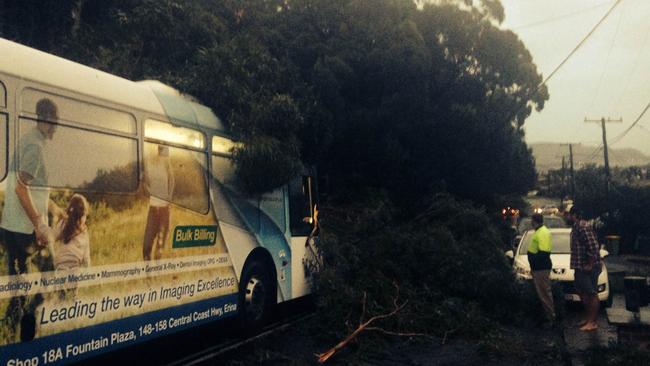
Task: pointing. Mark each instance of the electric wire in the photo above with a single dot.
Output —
(624, 133)
(609, 53)
(634, 67)
(579, 45)
(643, 128)
(524, 101)
(559, 17)
(595, 153)
(612, 156)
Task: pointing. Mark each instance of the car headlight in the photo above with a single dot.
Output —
(523, 271)
(602, 288)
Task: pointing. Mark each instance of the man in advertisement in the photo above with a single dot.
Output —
(25, 213)
(159, 182)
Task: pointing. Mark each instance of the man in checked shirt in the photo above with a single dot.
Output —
(585, 261)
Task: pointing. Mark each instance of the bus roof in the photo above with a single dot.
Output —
(152, 96)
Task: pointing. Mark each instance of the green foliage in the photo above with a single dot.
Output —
(269, 156)
(628, 215)
(263, 164)
(377, 95)
(120, 180)
(590, 190)
(623, 211)
(447, 263)
(380, 96)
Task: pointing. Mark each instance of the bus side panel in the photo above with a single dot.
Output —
(58, 313)
(251, 222)
(299, 275)
(73, 308)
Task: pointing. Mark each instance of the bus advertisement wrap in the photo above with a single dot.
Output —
(121, 216)
(114, 270)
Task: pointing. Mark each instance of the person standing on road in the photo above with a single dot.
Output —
(539, 257)
(585, 261)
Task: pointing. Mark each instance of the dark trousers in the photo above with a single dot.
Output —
(17, 245)
(19, 248)
(156, 232)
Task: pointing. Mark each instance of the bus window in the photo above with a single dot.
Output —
(76, 158)
(166, 133)
(3, 146)
(176, 174)
(222, 145)
(301, 202)
(223, 170)
(272, 204)
(227, 197)
(81, 112)
(3, 96)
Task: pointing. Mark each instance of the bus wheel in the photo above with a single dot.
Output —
(256, 297)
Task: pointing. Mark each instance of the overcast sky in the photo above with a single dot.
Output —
(608, 77)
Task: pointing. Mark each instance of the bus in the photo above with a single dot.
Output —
(122, 220)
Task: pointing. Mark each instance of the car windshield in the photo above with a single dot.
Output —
(560, 241)
(550, 222)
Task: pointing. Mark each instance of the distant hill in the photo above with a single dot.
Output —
(549, 156)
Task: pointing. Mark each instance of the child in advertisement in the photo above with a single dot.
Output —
(73, 244)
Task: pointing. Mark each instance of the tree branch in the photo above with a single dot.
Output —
(323, 357)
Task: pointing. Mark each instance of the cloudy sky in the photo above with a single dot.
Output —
(609, 76)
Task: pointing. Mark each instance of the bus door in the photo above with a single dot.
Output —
(303, 213)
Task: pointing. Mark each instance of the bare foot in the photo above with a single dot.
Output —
(590, 326)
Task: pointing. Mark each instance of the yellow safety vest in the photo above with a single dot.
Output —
(541, 241)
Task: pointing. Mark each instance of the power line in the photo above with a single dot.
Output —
(595, 153)
(620, 137)
(576, 48)
(634, 67)
(603, 121)
(643, 128)
(524, 101)
(559, 17)
(609, 53)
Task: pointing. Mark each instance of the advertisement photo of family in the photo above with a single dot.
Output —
(63, 250)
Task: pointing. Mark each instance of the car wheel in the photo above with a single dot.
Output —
(256, 297)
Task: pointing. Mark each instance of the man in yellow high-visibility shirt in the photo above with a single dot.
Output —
(539, 257)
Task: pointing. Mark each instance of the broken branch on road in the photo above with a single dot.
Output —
(323, 357)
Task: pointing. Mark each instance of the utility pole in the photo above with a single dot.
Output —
(571, 176)
(573, 181)
(563, 177)
(603, 121)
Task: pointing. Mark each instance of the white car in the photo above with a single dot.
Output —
(560, 257)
